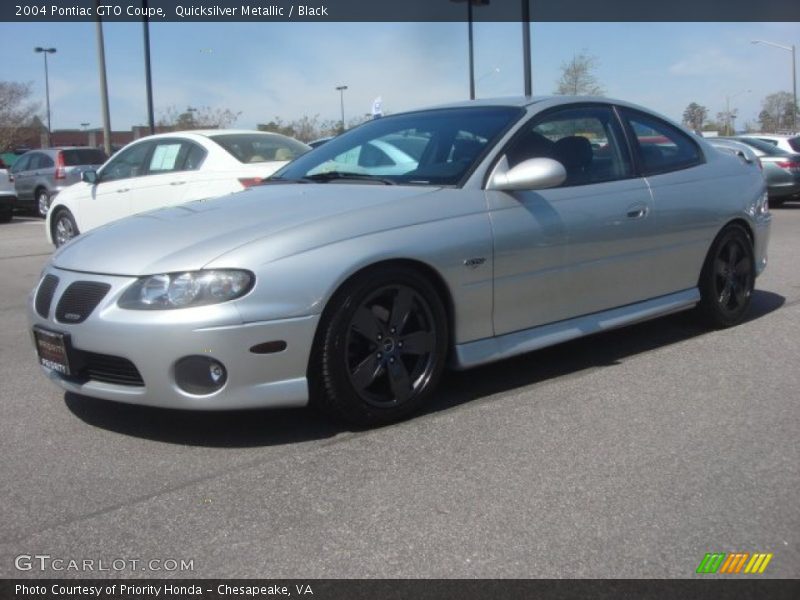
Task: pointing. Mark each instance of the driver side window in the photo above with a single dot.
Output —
(587, 140)
(131, 162)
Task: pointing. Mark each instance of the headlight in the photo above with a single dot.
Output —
(182, 290)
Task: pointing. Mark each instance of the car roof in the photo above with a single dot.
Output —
(211, 132)
(545, 101)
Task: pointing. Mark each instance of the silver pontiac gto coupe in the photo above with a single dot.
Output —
(350, 280)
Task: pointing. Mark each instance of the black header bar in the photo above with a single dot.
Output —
(401, 10)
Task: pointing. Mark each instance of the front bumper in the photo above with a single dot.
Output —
(155, 340)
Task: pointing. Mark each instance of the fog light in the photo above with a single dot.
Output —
(200, 375)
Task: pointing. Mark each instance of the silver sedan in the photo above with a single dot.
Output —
(517, 224)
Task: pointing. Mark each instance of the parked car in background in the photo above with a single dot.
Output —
(781, 169)
(166, 169)
(39, 175)
(790, 143)
(8, 196)
(735, 147)
(353, 290)
(320, 141)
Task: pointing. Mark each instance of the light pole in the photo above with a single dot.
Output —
(341, 89)
(470, 4)
(148, 77)
(526, 47)
(728, 109)
(794, 78)
(46, 51)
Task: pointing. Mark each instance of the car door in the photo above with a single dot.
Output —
(578, 248)
(168, 175)
(110, 197)
(684, 199)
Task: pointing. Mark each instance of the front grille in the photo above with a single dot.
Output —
(80, 299)
(44, 295)
(109, 369)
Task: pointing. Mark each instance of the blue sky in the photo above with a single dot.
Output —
(291, 69)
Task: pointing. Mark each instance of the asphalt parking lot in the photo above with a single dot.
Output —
(629, 454)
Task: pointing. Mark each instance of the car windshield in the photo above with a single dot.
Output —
(435, 147)
(258, 148)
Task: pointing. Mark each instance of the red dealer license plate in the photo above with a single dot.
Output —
(52, 350)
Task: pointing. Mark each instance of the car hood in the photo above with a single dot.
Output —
(189, 236)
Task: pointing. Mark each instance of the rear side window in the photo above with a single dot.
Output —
(661, 147)
(42, 161)
(175, 155)
(83, 156)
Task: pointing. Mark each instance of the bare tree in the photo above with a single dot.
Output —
(694, 116)
(204, 117)
(304, 129)
(16, 112)
(578, 78)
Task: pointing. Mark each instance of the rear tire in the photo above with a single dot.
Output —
(727, 279)
(6, 214)
(63, 227)
(380, 348)
(42, 202)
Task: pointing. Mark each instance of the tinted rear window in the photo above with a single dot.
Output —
(83, 156)
(795, 143)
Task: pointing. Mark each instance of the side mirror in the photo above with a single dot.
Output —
(531, 174)
(89, 176)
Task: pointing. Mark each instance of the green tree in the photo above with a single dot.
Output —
(578, 78)
(776, 112)
(694, 116)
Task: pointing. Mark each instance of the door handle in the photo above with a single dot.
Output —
(177, 182)
(123, 190)
(637, 213)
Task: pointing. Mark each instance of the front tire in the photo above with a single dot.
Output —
(64, 227)
(727, 279)
(381, 348)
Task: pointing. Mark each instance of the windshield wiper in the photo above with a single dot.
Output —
(342, 175)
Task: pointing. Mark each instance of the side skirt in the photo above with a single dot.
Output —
(492, 349)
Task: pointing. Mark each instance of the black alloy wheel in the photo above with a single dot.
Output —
(384, 347)
(728, 278)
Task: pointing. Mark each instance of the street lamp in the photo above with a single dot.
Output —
(341, 89)
(794, 77)
(46, 51)
(470, 4)
(191, 110)
(728, 109)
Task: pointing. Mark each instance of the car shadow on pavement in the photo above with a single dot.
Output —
(253, 428)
